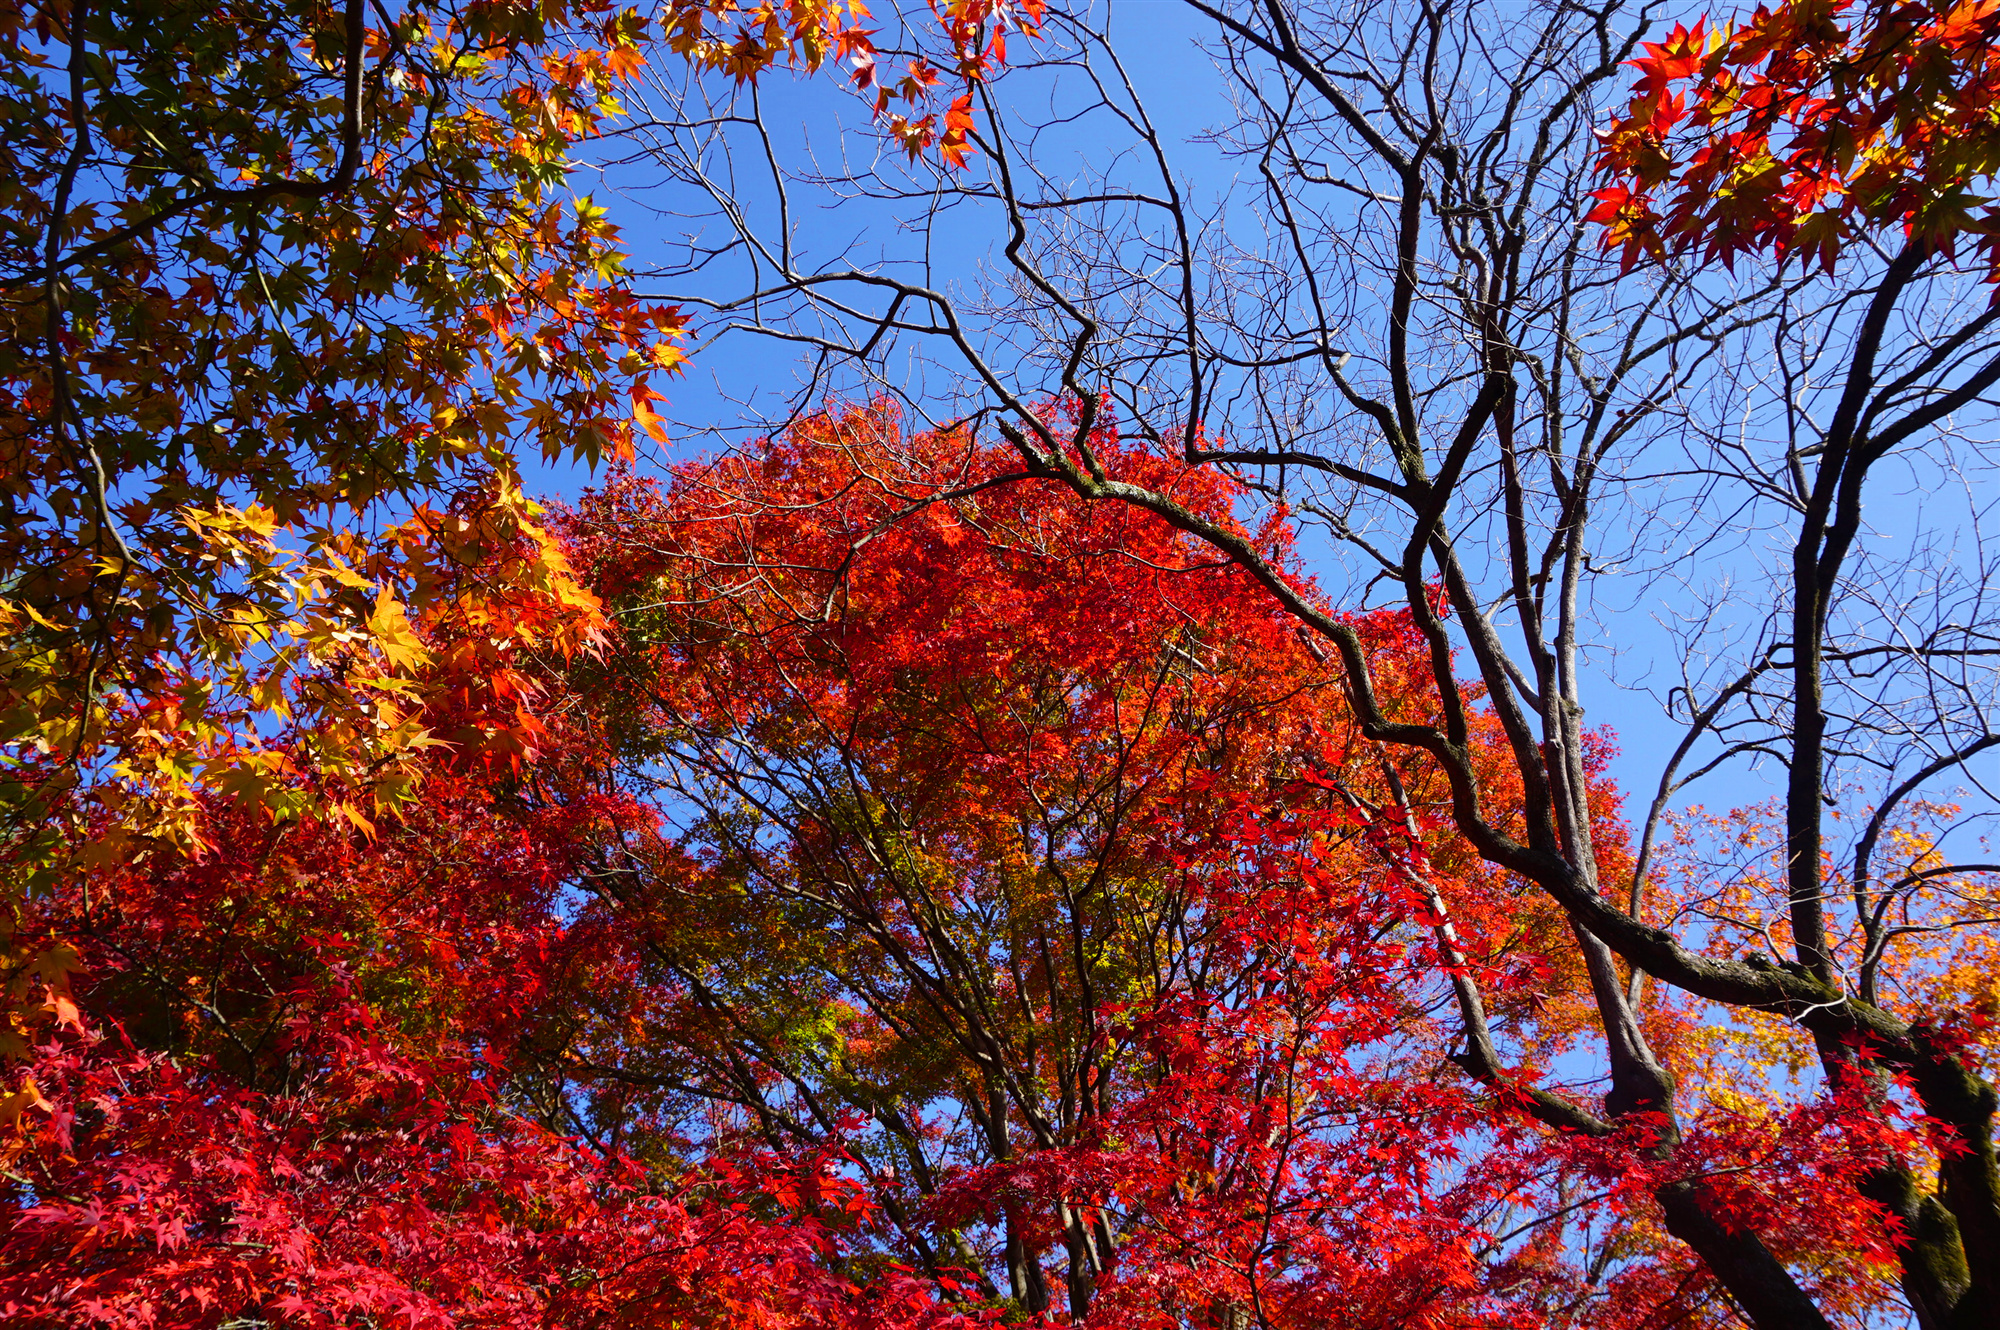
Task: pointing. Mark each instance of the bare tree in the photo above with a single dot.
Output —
(1395, 321)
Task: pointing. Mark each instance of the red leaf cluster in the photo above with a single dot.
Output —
(1806, 127)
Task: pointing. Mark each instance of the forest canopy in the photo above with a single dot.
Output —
(1375, 714)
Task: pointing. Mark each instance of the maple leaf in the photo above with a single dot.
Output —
(954, 145)
(624, 62)
(391, 633)
(642, 411)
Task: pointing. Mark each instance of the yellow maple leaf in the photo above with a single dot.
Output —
(393, 635)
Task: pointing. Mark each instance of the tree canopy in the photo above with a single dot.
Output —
(1089, 813)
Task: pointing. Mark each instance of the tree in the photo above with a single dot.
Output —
(1024, 853)
(923, 801)
(297, 1103)
(899, 739)
(268, 271)
(285, 288)
(1423, 350)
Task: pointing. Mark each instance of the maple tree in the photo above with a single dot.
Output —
(296, 1102)
(322, 1069)
(917, 787)
(285, 288)
(271, 270)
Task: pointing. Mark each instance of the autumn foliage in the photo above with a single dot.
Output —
(1805, 128)
(937, 898)
(861, 879)
(283, 290)
(297, 1100)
